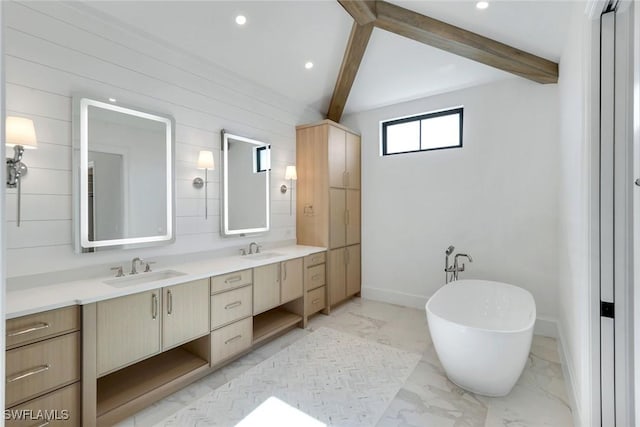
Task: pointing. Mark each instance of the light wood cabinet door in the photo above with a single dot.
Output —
(292, 277)
(128, 330)
(337, 161)
(337, 217)
(352, 217)
(336, 276)
(352, 160)
(353, 276)
(185, 314)
(266, 288)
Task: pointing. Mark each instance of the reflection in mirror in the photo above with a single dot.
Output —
(246, 167)
(125, 183)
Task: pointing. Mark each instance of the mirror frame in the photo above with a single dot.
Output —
(225, 187)
(81, 167)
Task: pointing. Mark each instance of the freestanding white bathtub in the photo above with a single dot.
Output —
(482, 333)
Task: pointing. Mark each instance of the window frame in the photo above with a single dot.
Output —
(419, 118)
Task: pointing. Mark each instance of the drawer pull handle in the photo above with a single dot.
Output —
(233, 305)
(230, 340)
(233, 279)
(315, 301)
(28, 373)
(316, 277)
(36, 327)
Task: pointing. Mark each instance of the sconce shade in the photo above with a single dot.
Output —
(20, 131)
(205, 160)
(290, 173)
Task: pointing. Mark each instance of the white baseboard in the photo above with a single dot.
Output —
(568, 372)
(394, 297)
(546, 326)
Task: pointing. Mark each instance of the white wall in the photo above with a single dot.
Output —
(495, 198)
(55, 49)
(574, 212)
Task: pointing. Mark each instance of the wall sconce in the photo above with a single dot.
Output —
(205, 161)
(291, 174)
(19, 134)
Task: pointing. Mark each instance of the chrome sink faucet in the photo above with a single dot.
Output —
(251, 248)
(133, 264)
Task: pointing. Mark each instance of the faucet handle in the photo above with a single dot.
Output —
(147, 266)
(118, 270)
(258, 247)
(243, 251)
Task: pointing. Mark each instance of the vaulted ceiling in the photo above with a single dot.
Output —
(281, 36)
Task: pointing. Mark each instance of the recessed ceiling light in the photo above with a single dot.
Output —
(308, 65)
(482, 5)
(241, 19)
(112, 100)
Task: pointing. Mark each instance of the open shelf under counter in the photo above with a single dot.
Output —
(135, 387)
(273, 322)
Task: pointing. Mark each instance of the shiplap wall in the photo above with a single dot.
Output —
(53, 50)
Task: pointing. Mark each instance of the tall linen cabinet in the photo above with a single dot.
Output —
(328, 202)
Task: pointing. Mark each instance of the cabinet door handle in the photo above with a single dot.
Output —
(169, 302)
(230, 340)
(344, 178)
(233, 305)
(348, 178)
(233, 279)
(28, 373)
(154, 306)
(347, 258)
(348, 217)
(32, 328)
(284, 274)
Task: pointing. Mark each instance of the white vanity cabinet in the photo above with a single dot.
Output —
(134, 327)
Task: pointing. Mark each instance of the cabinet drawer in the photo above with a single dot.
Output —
(314, 277)
(62, 406)
(230, 306)
(28, 329)
(315, 300)
(231, 340)
(231, 281)
(315, 259)
(43, 366)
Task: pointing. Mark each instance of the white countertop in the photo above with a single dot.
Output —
(21, 302)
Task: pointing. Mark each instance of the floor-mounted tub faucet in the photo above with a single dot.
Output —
(456, 268)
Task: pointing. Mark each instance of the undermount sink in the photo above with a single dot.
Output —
(263, 255)
(138, 279)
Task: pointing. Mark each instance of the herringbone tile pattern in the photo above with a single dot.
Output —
(337, 378)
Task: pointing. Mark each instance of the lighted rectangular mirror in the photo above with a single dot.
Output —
(246, 165)
(123, 176)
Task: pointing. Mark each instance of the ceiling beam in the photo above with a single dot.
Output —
(362, 11)
(464, 43)
(356, 47)
(413, 25)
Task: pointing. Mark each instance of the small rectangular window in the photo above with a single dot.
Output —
(261, 160)
(430, 131)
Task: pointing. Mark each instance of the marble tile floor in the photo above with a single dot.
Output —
(427, 398)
